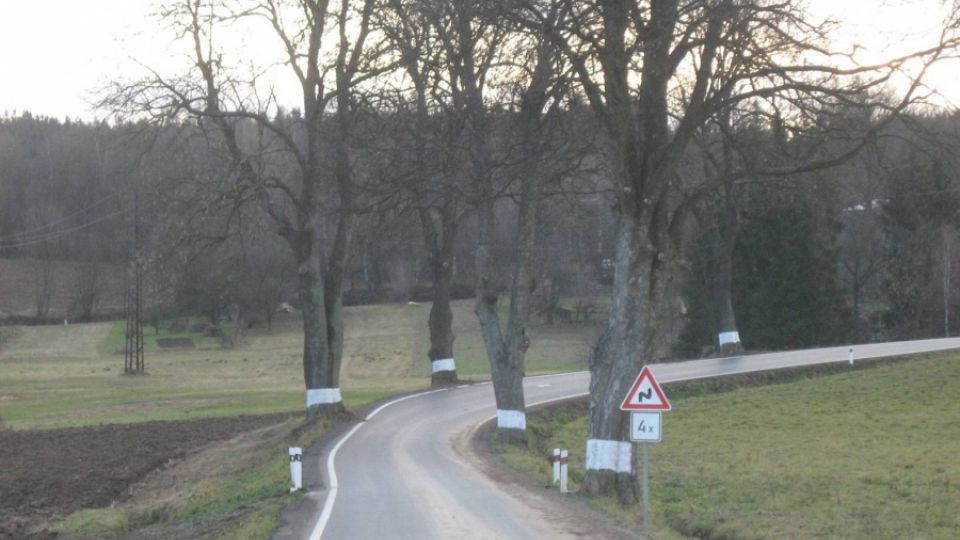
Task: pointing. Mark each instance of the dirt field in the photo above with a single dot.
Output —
(46, 473)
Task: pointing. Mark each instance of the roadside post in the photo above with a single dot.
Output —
(296, 468)
(556, 465)
(564, 458)
(646, 402)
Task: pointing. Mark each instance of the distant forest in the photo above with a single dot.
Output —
(866, 250)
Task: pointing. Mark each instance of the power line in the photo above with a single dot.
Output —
(18, 236)
(57, 234)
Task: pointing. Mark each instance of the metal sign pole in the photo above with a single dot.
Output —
(646, 485)
(646, 401)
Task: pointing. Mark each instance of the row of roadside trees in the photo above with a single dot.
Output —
(682, 116)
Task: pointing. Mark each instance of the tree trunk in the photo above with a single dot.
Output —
(440, 245)
(443, 367)
(320, 292)
(628, 343)
(724, 241)
(728, 336)
(323, 389)
(328, 376)
(508, 355)
(506, 368)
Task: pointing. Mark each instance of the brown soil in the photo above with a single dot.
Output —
(47, 473)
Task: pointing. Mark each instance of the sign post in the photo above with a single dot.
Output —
(646, 403)
(646, 484)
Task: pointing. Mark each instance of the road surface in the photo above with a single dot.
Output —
(407, 472)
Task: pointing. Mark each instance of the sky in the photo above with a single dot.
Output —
(56, 54)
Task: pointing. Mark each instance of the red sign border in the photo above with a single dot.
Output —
(645, 373)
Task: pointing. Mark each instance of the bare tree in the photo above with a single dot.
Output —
(474, 38)
(723, 224)
(45, 252)
(87, 289)
(43, 283)
(432, 182)
(296, 169)
(654, 72)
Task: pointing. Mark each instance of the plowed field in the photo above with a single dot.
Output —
(46, 473)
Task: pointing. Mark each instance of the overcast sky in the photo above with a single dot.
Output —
(54, 54)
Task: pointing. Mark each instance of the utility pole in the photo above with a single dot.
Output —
(133, 363)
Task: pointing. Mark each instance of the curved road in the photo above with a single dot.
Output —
(405, 472)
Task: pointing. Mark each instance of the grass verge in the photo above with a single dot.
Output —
(832, 452)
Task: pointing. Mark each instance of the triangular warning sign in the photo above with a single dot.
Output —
(645, 394)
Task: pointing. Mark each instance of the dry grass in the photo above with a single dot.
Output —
(59, 376)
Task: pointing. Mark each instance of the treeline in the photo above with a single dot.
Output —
(62, 189)
(864, 251)
(69, 193)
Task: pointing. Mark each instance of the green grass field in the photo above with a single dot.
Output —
(868, 453)
(56, 376)
(116, 337)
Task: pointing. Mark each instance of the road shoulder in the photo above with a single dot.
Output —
(569, 513)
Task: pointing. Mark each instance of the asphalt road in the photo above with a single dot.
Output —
(407, 472)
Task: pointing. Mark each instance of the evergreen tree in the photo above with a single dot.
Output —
(787, 290)
(919, 220)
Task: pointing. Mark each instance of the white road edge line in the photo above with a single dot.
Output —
(321, 524)
(562, 373)
(332, 490)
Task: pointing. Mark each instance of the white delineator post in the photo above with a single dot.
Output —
(850, 357)
(556, 465)
(564, 458)
(296, 468)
